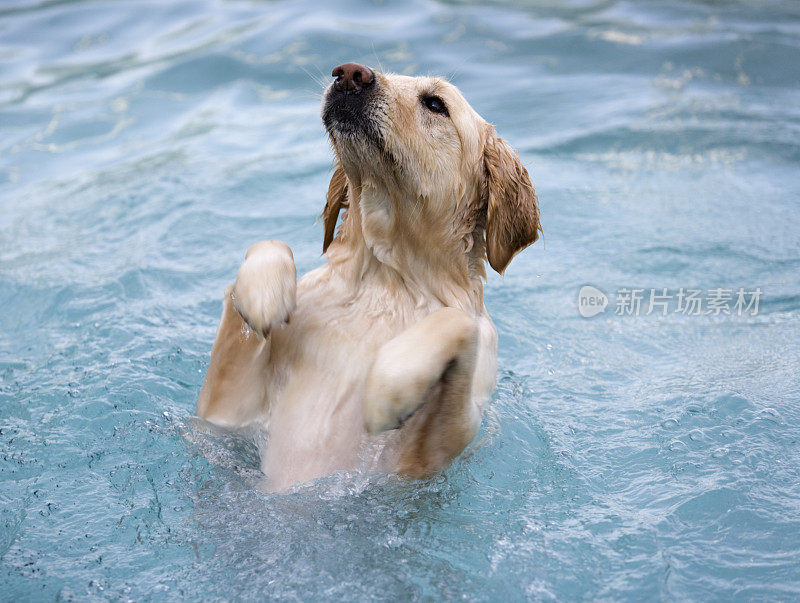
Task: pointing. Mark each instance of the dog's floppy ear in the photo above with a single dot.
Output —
(335, 202)
(512, 208)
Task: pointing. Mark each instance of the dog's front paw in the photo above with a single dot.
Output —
(266, 286)
(393, 393)
(408, 366)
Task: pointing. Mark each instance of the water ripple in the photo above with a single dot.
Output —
(146, 145)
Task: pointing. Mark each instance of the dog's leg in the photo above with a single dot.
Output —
(422, 381)
(262, 299)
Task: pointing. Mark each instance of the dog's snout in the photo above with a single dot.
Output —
(349, 109)
(352, 77)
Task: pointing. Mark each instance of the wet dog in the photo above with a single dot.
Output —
(387, 350)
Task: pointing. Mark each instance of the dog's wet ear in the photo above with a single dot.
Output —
(512, 208)
(335, 202)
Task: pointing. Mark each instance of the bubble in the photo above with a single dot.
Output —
(696, 435)
(770, 414)
(736, 456)
(678, 446)
(669, 423)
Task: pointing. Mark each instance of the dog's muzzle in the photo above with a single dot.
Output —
(349, 103)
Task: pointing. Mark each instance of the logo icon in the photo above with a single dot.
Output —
(591, 301)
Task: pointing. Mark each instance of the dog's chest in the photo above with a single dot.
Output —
(318, 367)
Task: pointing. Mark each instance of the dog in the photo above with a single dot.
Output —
(385, 357)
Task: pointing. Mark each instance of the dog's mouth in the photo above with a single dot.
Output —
(350, 108)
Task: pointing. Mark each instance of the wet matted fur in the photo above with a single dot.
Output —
(385, 356)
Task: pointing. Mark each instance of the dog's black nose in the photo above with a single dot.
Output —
(352, 77)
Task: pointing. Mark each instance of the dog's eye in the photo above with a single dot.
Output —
(434, 104)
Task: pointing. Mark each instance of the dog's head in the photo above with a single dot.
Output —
(426, 160)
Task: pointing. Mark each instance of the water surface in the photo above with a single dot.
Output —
(146, 145)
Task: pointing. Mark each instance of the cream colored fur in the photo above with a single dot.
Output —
(384, 357)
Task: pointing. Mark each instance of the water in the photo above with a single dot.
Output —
(145, 146)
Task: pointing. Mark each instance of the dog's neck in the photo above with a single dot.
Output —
(388, 238)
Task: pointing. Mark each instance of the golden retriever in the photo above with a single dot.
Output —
(384, 357)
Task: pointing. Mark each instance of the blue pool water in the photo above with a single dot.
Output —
(145, 145)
